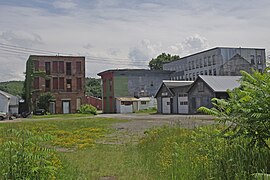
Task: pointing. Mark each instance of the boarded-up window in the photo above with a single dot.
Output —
(79, 83)
(78, 67)
(48, 68)
(61, 83)
(36, 83)
(55, 67)
(200, 87)
(61, 67)
(55, 83)
(36, 65)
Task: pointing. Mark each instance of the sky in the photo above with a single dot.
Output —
(115, 34)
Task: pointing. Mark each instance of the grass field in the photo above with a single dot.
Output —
(79, 143)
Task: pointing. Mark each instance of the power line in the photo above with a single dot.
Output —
(19, 48)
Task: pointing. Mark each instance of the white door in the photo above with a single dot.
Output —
(182, 105)
(66, 107)
(166, 105)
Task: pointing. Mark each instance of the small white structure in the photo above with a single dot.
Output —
(9, 103)
(131, 105)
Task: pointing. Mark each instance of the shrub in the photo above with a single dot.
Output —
(24, 155)
(88, 109)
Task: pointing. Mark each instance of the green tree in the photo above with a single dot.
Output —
(44, 101)
(156, 63)
(12, 87)
(247, 109)
(93, 87)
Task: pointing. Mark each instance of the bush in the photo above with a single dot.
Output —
(24, 155)
(88, 109)
(177, 153)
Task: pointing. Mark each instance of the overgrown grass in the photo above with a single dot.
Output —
(176, 153)
(164, 153)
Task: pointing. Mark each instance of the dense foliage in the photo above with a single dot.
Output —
(93, 87)
(247, 109)
(23, 155)
(44, 101)
(177, 153)
(157, 63)
(12, 87)
(88, 109)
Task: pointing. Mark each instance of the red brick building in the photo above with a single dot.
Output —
(94, 101)
(66, 82)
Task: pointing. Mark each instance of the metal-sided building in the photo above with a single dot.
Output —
(205, 88)
(129, 83)
(219, 61)
(172, 97)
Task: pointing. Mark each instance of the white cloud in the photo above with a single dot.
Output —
(143, 52)
(189, 45)
(64, 4)
(21, 38)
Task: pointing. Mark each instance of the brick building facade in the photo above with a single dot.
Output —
(65, 80)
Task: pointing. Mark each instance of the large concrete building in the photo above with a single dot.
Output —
(219, 61)
(65, 79)
(124, 90)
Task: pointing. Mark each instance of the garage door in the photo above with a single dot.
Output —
(166, 105)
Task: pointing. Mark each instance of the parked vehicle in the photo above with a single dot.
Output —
(39, 112)
(3, 115)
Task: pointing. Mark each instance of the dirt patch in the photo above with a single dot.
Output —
(133, 130)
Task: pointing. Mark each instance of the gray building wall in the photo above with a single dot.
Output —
(198, 97)
(143, 83)
(209, 62)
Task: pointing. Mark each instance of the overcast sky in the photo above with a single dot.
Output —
(125, 33)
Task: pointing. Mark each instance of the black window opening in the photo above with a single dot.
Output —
(68, 68)
(48, 68)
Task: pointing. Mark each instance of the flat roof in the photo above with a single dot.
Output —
(214, 49)
(134, 70)
(60, 56)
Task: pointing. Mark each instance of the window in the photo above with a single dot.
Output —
(214, 59)
(55, 83)
(55, 67)
(143, 102)
(200, 86)
(79, 83)
(61, 66)
(36, 83)
(78, 67)
(36, 65)
(209, 61)
(69, 85)
(110, 84)
(47, 85)
(197, 63)
(61, 83)
(205, 72)
(201, 63)
(189, 65)
(68, 68)
(259, 59)
(193, 65)
(205, 62)
(201, 73)
(214, 72)
(252, 59)
(48, 68)
(210, 72)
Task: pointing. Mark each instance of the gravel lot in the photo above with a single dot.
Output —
(137, 124)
